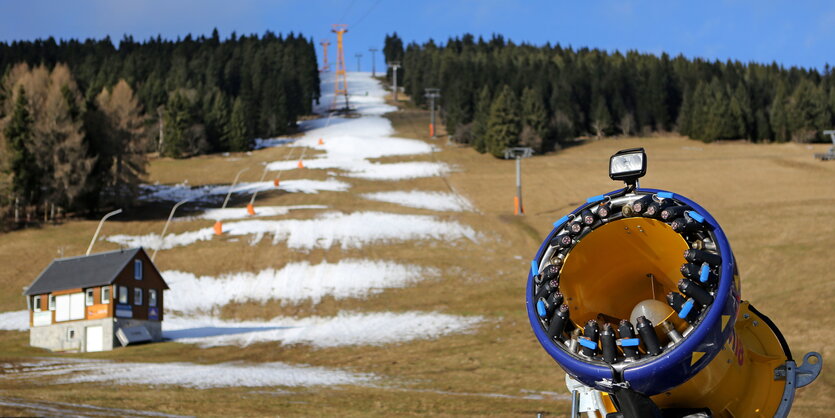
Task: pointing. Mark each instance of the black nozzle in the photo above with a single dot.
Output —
(654, 209)
(684, 308)
(550, 272)
(673, 212)
(627, 335)
(591, 334)
(575, 228)
(690, 271)
(562, 241)
(558, 322)
(587, 217)
(550, 303)
(604, 210)
(607, 344)
(648, 337)
(685, 224)
(640, 205)
(547, 288)
(699, 256)
(698, 293)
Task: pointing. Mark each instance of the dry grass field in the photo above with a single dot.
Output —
(775, 203)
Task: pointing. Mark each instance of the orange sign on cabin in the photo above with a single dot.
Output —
(96, 311)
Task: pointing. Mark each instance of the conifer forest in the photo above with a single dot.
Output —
(496, 94)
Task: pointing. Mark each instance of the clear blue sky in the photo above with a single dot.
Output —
(800, 33)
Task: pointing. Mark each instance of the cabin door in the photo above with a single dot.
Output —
(95, 339)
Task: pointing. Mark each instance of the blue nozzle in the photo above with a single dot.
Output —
(597, 198)
(686, 308)
(665, 195)
(540, 309)
(704, 273)
(695, 216)
(560, 221)
(534, 268)
(629, 342)
(585, 342)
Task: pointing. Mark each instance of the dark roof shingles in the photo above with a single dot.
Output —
(80, 272)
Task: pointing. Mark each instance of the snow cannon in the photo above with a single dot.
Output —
(636, 295)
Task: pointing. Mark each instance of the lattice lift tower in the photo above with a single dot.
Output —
(340, 75)
(325, 66)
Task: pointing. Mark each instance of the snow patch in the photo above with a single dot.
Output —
(177, 192)
(295, 282)
(440, 201)
(353, 230)
(14, 321)
(191, 375)
(345, 329)
(400, 171)
(260, 211)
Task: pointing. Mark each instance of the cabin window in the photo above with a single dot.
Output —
(105, 294)
(123, 294)
(152, 297)
(137, 269)
(70, 334)
(51, 302)
(36, 303)
(88, 297)
(137, 296)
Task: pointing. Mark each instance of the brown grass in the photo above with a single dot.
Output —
(775, 203)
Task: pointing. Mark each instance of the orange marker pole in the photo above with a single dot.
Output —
(432, 130)
(218, 228)
(250, 209)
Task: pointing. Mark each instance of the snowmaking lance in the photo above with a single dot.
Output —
(636, 295)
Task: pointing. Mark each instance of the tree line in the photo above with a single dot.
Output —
(496, 94)
(78, 118)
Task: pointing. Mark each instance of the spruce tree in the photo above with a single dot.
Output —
(238, 135)
(18, 134)
(778, 115)
(503, 124)
(534, 113)
(480, 118)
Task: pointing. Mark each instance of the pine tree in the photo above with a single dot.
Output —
(503, 124)
(534, 113)
(741, 117)
(18, 134)
(480, 118)
(238, 136)
(779, 117)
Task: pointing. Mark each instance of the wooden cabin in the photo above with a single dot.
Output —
(96, 302)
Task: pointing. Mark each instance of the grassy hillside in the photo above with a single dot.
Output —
(775, 203)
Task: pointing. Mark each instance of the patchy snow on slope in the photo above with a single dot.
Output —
(350, 142)
(353, 230)
(295, 282)
(345, 329)
(399, 171)
(191, 375)
(217, 193)
(260, 211)
(365, 95)
(14, 321)
(440, 201)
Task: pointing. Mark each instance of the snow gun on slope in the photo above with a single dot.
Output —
(636, 295)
